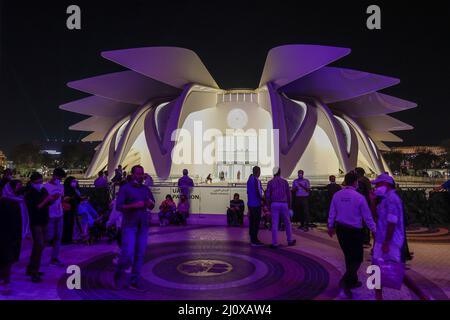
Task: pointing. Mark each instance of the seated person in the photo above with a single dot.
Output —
(235, 212)
(182, 210)
(167, 210)
(87, 217)
(209, 179)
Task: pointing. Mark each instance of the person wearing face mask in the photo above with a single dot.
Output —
(302, 189)
(71, 200)
(348, 210)
(55, 226)
(134, 200)
(38, 201)
(10, 232)
(390, 235)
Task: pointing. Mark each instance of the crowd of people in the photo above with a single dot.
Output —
(359, 210)
(52, 214)
(56, 212)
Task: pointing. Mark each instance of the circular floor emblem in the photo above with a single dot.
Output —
(204, 268)
(211, 270)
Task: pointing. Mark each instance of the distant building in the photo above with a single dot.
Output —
(411, 150)
(52, 148)
(3, 161)
(51, 152)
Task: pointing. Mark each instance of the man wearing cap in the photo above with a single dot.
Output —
(348, 210)
(390, 234)
(278, 197)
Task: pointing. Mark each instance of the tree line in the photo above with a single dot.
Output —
(29, 156)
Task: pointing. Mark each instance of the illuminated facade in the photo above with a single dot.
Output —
(304, 114)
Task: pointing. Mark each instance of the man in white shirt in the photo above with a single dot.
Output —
(55, 225)
(302, 189)
(348, 210)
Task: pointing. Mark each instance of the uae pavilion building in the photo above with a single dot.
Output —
(324, 120)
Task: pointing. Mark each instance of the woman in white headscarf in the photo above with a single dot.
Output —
(9, 192)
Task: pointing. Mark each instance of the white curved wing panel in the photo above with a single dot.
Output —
(331, 85)
(383, 123)
(171, 65)
(285, 64)
(98, 106)
(126, 86)
(372, 104)
(95, 124)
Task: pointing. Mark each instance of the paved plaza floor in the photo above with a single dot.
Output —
(211, 261)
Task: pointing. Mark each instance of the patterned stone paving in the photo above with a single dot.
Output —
(440, 235)
(241, 272)
(430, 268)
(310, 270)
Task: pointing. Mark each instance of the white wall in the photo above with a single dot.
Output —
(139, 154)
(319, 157)
(216, 118)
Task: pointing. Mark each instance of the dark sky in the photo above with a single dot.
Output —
(39, 55)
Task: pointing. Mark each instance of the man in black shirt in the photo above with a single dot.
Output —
(332, 187)
(364, 188)
(37, 200)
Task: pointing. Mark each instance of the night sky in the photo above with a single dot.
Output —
(39, 55)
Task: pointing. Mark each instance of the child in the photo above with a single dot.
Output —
(183, 209)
